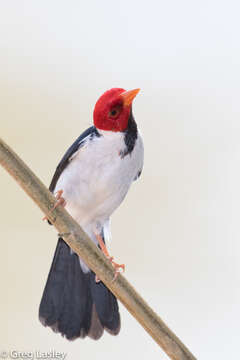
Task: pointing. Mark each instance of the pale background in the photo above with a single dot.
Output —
(178, 230)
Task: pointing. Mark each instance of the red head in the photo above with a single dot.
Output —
(112, 110)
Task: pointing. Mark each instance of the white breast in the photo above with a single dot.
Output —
(98, 178)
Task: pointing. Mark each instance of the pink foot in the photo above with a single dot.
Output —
(116, 266)
(60, 201)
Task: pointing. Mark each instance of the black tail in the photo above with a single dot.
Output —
(73, 303)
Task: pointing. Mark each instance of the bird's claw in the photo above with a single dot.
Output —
(97, 279)
(60, 201)
(119, 268)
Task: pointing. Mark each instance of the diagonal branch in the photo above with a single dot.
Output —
(94, 258)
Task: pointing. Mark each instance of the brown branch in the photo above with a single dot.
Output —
(84, 247)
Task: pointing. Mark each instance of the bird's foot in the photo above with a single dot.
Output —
(97, 280)
(60, 201)
(118, 267)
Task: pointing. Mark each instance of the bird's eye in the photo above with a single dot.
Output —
(114, 112)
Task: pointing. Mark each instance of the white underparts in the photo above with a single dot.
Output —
(97, 179)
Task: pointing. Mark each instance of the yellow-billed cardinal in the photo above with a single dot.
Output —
(94, 176)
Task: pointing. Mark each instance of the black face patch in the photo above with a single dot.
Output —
(130, 136)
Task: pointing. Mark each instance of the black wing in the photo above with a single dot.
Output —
(92, 132)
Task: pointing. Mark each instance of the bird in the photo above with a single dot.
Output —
(91, 181)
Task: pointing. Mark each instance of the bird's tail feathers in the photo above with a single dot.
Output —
(73, 303)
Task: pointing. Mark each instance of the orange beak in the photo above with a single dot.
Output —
(128, 96)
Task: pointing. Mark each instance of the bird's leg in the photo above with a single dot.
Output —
(60, 201)
(116, 266)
